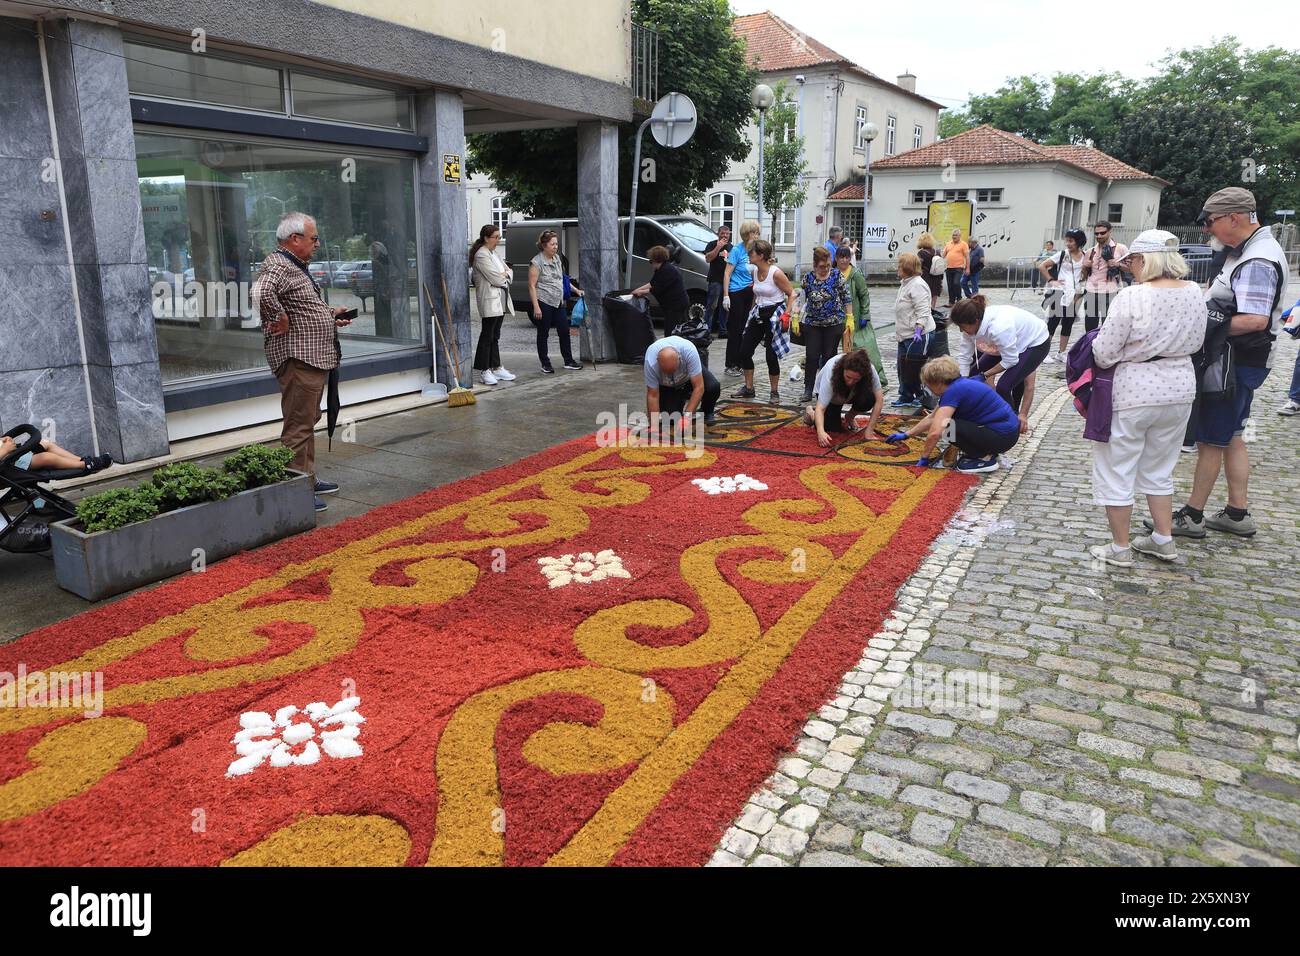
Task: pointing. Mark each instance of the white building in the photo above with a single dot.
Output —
(835, 97)
(1024, 192)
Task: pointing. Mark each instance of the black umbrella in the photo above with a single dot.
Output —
(332, 394)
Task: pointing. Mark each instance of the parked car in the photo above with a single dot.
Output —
(322, 272)
(684, 236)
(342, 273)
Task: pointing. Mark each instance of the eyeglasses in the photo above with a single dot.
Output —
(315, 239)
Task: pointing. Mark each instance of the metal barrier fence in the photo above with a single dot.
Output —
(1023, 275)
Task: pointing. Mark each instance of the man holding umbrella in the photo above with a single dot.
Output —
(301, 340)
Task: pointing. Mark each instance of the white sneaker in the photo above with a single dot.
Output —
(1051, 359)
(487, 378)
(1290, 408)
(503, 374)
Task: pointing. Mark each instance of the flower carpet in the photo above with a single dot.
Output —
(583, 658)
(777, 429)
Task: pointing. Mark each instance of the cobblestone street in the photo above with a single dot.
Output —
(1142, 717)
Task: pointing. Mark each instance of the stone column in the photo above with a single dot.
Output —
(42, 373)
(598, 231)
(444, 223)
(92, 115)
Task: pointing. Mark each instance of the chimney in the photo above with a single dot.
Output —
(908, 82)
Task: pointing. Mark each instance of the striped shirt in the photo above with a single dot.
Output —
(282, 288)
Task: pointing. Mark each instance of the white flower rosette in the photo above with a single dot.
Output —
(289, 737)
(584, 568)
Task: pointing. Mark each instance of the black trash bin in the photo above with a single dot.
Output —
(630, 322)
(939, 342)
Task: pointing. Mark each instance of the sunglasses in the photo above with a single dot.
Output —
(315, 239)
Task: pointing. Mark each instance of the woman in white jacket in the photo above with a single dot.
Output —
(913, 327)
(492, 279)
(1005, 343)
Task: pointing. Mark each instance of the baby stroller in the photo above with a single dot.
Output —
(26, 508)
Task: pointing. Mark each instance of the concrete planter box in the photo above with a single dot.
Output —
(98, 565)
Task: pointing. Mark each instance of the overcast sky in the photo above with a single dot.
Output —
(959, 49)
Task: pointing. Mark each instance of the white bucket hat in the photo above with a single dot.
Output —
(1153, 240)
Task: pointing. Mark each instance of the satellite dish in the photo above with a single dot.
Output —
(673, 120)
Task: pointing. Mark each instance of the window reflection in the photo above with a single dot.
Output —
(211, 207)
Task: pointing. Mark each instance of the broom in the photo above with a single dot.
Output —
(446, 302)
(457, 396)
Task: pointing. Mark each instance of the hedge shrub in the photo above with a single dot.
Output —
(182, 484)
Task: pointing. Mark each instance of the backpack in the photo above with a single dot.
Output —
(1090, 387)
(938, 264)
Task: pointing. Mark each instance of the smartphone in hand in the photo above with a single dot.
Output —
(347, 316)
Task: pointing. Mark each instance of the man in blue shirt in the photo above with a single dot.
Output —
(970, 282)
(833, 240)
(971, 414)
(1291, 326)
(677, 383)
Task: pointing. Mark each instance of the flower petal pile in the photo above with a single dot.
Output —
(583, 568)
(288, 739)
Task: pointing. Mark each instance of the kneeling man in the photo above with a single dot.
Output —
(677, 383)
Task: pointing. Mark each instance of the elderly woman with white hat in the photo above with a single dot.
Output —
(1153, 328)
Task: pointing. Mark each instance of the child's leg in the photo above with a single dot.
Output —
(58, 459)
(55, 457)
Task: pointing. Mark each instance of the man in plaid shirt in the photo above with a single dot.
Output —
(299, 339)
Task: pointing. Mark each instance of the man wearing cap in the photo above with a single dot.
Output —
(1101, 275)
(1247, 292)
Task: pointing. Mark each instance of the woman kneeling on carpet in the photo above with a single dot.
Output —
(983, 425)
(847, 379)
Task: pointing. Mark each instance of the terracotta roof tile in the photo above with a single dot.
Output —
(846, 193)
(989, 146)
(1102, 164)
(775, 45)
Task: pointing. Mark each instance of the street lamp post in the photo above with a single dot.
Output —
(869, 132)
(798, 219)
(762, 98)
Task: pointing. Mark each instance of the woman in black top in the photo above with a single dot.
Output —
(668, 288)
(925, 250)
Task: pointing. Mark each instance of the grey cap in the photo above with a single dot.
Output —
(1232, 199)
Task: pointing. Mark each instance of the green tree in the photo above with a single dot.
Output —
(1258, 121)
(1020, 105)
(783, 163)
(1262, 88)
(1067, 108)
(1168, 138)
(699, 56)
(952, 122)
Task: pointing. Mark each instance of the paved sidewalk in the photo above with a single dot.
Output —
(1143, 717)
